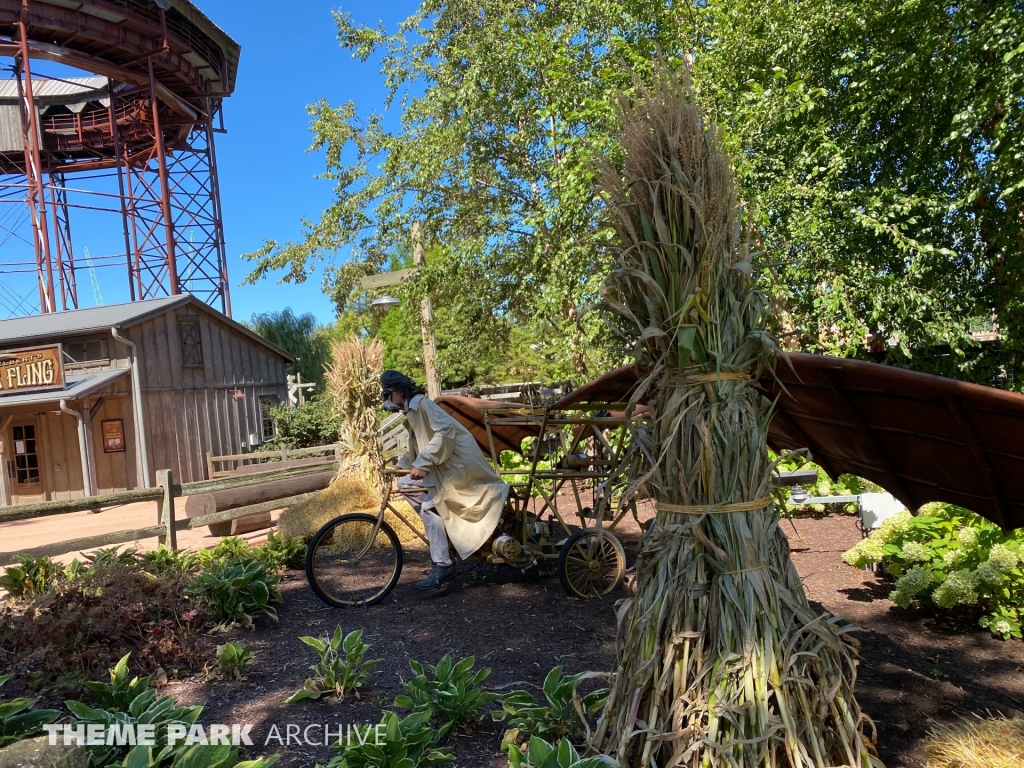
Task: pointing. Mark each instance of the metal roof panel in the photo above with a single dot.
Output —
(73, 389)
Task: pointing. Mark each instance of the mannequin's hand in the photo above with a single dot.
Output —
(417, 474)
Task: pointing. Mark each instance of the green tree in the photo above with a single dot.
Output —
(881, 143)
(301, 336)
(503, 107)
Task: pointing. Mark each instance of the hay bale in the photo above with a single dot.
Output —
(344, 495)
(994, 743)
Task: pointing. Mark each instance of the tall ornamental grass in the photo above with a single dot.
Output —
(722, 662)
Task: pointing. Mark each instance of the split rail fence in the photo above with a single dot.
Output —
(164, 495)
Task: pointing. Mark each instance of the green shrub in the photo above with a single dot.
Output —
(554, 719)
(452, 693)
(236, 590)
(121, 692)
(946, 557)
(31, 576)
(195, 756)
(539, 754)
(145, 708)
(406, 743)
(343, 667)
(233, 660)
(18, 720)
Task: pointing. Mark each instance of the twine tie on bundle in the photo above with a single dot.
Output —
(707, 378)
(714, 509)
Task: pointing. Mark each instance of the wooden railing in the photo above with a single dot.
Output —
(167, 525)
(265, 457)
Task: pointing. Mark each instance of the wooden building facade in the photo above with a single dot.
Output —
(144, 386)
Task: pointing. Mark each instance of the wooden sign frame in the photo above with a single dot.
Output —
(33, 369)
(113, 435)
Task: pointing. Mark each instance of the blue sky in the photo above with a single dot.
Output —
(267, 179)
(290, 58)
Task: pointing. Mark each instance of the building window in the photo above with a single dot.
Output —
(86, 350)
(26, 459)
(267, 405)
(191, 342)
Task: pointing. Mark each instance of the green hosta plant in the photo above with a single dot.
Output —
(343, 667)
(451, 693)
(18, 720)
(540, 754)
(111, 556)
(144, 709)
(163, 559)
(237, 590)
(946, 557)
(195, 756)
(31, 576)
(121, 692)
(396, 743)
(279, 553)
(233, 660)
(228, 548)
(556, 717)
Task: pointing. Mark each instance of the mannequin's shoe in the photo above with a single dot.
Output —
(439, 574)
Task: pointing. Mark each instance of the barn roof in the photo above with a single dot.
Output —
(23, 330)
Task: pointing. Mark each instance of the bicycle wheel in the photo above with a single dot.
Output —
(591, 564)
(343, 571)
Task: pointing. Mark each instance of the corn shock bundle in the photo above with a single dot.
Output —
(353, 382)
(722, 662)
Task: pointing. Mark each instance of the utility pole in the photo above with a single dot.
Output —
(426, 318)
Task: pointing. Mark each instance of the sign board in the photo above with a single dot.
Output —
(31, 370)
(113, 435)
(388, 279)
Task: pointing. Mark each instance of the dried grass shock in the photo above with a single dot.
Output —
(992, 743)
(353, 381)
(722, 662)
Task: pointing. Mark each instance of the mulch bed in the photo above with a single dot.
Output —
(915, 669)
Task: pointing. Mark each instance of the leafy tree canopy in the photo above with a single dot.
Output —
(881, 143)
(878, 145)
(301, 336)
(503, 106)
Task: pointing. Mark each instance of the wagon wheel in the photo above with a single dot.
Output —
(345, 569)
(591, 563)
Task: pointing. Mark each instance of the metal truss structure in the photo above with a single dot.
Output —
(136, 137)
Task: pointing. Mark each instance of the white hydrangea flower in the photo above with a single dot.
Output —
(984, 621)
(1002, 627)
(912, 583)
(968, 537)
(953, 557)
(864, 552)
(894, 526)
(1002, 557)
(1001, 560)
(957, 589)
(916, 552)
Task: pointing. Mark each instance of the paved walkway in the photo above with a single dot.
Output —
(26, 534)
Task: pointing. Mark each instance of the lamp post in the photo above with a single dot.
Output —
(390, 279)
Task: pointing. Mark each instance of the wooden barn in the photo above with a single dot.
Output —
(96, 400)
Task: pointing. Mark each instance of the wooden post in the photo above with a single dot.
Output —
(419, 256)
(209, 465)
(165, 481)
(5, 486)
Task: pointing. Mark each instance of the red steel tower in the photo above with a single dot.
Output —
(134, 136)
